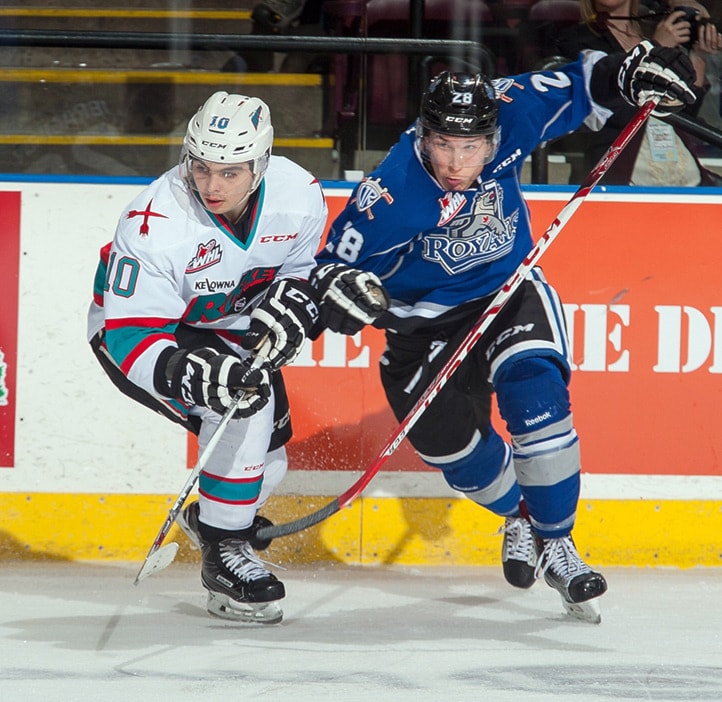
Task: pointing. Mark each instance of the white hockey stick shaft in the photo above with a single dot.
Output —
(475, 333)
(159, 558)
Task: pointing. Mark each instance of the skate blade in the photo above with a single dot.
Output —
(584, 611)
(224, 607)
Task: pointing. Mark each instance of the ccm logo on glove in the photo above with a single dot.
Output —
(282, 322)
(651, 71)
(210, 379)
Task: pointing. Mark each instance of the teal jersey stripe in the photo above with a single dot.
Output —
(122, 341)
(176, 406)
(230, 491)
(101, 273)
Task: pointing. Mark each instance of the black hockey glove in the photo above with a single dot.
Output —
(651, 71)
(210, 379)
(282, 322)
(350, 298)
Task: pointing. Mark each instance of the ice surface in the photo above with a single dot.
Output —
(85, 632)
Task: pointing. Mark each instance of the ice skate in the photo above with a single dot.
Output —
(188, 522)
(565, 571)
(518, 552)
(277, 15)
(240, 588)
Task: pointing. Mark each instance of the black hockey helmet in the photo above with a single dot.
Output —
(460, 104)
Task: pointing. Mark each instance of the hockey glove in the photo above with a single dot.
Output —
(210, 379)
(350, 298)
(652, 71)
(282, 322)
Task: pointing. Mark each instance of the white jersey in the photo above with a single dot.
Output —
(171, 261)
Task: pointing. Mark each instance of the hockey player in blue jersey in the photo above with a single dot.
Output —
(442, 224)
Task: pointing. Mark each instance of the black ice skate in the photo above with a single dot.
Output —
(518, 552)
(239, 586)
(277, 15)
(565, 571)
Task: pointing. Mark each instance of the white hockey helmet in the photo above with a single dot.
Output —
(231, 129)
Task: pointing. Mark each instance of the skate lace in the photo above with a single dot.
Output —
(561, 557)
(241, 560)
(518, 538)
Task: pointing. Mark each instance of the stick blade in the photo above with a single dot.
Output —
(156, 561)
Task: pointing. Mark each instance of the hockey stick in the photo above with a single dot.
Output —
(492, 311)
(159, 556)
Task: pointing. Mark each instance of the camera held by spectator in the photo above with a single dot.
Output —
(695, 19)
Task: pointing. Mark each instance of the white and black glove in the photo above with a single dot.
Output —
(657, 71)
(350, 298)
(282, 322)
(210, 379)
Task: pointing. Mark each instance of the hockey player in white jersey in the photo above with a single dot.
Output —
(201, 294)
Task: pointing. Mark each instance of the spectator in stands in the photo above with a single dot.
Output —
(279, 17)
(276, 16)
(660, 154)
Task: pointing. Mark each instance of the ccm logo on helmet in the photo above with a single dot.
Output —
(213, 144)
(459, 120)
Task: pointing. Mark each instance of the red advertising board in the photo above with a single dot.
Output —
(9, 277)
(639, 281)
(644, 307)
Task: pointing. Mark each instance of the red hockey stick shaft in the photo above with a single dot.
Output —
(492, 311)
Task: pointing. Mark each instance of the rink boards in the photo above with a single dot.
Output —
(87, 474)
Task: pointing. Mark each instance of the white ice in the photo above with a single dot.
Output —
(72, 631)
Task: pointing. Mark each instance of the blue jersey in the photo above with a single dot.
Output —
(436, 250)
